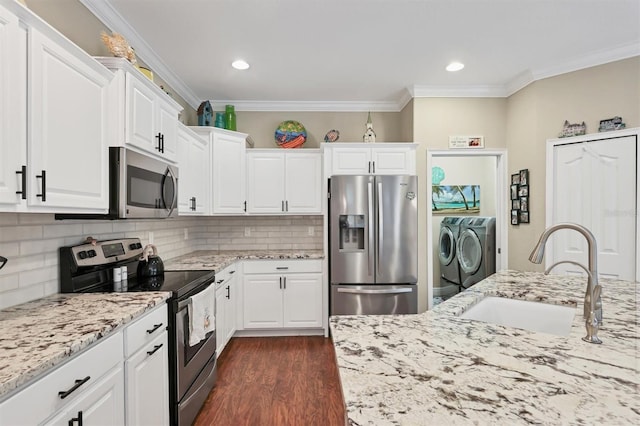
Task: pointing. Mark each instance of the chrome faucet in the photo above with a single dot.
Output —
(592, 301)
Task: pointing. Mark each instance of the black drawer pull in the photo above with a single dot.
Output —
(155, 349)
(282, 268)
(232, 272)
(228, 293)
(155, 327)
(76, 419)
(43, 195)
(79, 382)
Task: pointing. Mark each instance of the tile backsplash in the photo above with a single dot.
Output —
(30, 242)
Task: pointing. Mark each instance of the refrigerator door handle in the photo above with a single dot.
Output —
(380, 226)
(370, 291)
(370, 247)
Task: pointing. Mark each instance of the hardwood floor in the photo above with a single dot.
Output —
(276, 381)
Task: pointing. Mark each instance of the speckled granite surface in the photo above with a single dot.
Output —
(435, 368)
(38, 335)
(218, 260)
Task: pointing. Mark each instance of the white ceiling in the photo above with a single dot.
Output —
(367, 54)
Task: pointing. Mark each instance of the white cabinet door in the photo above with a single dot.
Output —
(193, 169)
(140, 115)
(13, 143)
(103, 404)
(231, 298)
(263, 301)
(147, 380)
(228, 169)
(221, 316)
(303, 182)
(266, 182)
(393, 161)
(168, 128)
(68, 140)
(302, 301)
(351, 161)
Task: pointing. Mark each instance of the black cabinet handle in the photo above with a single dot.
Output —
(162, 143)
(280, 283)
(232, 272)
(219, 281)
(286, 206)
(159, 137)
(43, 195)
(155, 327)
(193, 203)
(282, 268)
(76, 419)
(155, 349)
(228, 295)
(23, 173)
(369, 166)
(79, 382)
(374, 167)
(285, 283)
(245, 206)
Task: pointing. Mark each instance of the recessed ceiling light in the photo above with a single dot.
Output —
(240, 64)
(455, 66)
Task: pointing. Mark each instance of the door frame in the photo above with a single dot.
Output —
(502, 249)
(550, 187)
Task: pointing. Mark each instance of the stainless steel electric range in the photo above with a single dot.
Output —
(90, 267)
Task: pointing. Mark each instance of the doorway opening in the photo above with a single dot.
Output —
(484, 173)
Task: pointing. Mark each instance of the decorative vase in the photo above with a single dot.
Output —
(220, 121)
(230, 117)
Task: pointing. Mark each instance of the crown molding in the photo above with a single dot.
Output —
(480, 91)
(307, 106)
(105, 12)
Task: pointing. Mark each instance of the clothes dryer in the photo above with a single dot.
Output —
(476, 249)
(447, 248)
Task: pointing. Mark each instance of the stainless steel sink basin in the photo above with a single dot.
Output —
(532, 316)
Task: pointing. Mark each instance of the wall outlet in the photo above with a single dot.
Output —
(186, 233)
(311, 231)
(150, 237)
(247, 231)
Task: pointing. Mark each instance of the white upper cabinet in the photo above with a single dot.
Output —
(228, 163)
(284, 181)
(375, 159)
(194, 162)
(61, 97)
(144, 116)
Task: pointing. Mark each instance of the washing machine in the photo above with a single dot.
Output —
(447, 248)
(476, 249)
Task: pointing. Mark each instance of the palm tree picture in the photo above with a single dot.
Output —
(448, 199)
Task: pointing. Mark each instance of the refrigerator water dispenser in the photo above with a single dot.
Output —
(352, 232)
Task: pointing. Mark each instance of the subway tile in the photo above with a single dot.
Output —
(53, 231)
(40, 246)
(19, 233)
(41, 275)
(8, 219)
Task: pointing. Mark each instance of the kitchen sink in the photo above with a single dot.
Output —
(532, 316)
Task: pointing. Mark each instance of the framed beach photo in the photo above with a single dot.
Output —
(515, 217)
(524, 177)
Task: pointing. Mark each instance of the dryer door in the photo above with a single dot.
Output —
(469, 251)
(447, 246)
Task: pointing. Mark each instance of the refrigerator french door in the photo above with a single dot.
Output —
(373, 223)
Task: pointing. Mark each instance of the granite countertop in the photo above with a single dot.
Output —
(36, 336)
(437, 368)
(218, 260)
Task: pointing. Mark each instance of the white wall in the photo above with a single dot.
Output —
(464, 171)
(31, 242)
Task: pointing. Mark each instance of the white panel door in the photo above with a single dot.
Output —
(231, 298)
(193, 173)
(266, 181)
(168, 128)
(595, 186)
(394, 161)
(350, 161)
(141, 119)
(228, 180)
(303, 182)
(303, 301)
(13, 144)
(68, 129)
(262, 301)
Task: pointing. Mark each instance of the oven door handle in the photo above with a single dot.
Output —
(184, 303)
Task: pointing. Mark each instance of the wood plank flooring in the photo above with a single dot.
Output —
(276, 381)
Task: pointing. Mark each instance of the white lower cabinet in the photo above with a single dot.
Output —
(226, 306)
(120, 380)
(282, 294)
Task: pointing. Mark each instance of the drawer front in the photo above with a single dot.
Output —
(145, 329)
(42, 398)
(282, 266)
(225, 275)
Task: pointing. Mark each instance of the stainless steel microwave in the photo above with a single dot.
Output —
(140, 187)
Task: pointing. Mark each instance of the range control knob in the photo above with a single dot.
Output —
(133, 246)
(82, 254)
(91, 253)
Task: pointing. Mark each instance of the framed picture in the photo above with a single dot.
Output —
(515, 179)
(515, 217)
(515, 204)
(475, 141)
(524, 177)
(524, 217)
(524, 204)
(514, 192)
(523, 191)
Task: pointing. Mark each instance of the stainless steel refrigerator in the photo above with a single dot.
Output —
(373, 238)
